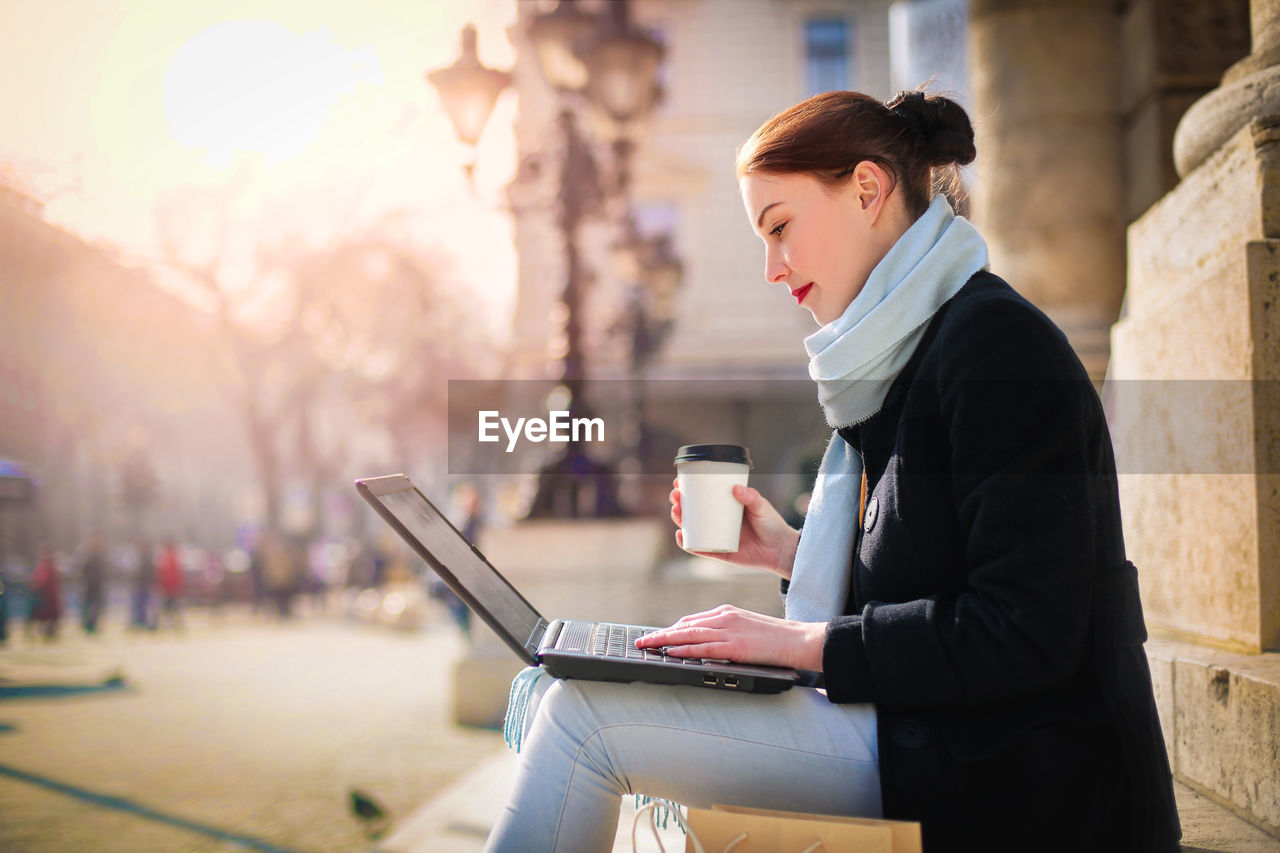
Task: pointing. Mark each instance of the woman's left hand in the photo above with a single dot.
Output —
(742, 636)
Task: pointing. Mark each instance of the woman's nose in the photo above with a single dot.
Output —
(774, 269)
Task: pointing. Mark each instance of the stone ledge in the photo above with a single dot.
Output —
(459, 819)
(1220, 712)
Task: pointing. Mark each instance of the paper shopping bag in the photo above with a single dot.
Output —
(791, 832)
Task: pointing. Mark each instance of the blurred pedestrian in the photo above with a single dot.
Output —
(46, 586)
(217, 583)
(381, 562)
(170, 582)
(320, 558)
(93, 575)
(6, 594)
(279, 573)
(257, 582)
(144, 575)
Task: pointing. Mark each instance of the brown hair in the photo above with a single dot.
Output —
(920, 140)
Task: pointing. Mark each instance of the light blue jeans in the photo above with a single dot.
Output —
(588, 743)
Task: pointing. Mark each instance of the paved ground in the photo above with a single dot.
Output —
(246, 734)
(236, 734)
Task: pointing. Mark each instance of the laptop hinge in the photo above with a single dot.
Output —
(540, 632)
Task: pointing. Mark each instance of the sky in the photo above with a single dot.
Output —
(312, 115)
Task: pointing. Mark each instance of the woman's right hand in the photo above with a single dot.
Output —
(767, 541)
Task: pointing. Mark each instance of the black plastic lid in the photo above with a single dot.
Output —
(713, 453)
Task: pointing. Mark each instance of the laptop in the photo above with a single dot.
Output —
(565, 648)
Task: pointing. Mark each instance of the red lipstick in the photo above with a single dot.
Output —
(802, 293)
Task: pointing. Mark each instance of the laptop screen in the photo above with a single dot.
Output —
(456, 556)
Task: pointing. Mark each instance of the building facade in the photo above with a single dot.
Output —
(112, 397)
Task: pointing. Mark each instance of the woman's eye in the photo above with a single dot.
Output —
(777, 232)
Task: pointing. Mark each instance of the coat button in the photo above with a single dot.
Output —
(873, 509)
(912, 734)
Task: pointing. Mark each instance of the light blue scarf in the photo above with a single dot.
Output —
(854, 359)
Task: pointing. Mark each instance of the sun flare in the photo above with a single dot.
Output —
(255, 86)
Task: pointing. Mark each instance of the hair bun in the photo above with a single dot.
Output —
(942, 124)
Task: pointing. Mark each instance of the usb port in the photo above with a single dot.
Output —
(730, 681)
(709, 680)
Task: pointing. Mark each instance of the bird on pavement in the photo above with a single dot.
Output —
(373, 816)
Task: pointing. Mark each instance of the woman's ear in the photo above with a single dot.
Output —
(870, 186)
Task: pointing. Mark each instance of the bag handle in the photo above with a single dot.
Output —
(653, 805)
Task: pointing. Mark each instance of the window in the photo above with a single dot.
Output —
(655, 217)
(826, 50)
(661, 34)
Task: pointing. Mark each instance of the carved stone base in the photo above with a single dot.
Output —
(1195, 366)
(1219, 115)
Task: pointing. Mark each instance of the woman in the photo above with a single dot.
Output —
(961, 582)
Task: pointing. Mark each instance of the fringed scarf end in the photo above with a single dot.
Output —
(518, 705)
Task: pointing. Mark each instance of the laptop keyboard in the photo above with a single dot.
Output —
(619, 641)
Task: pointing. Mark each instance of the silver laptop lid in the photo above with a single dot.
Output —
(459, 563)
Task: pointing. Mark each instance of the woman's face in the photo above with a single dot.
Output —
(822, 243)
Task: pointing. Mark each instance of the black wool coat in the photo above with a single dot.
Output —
(992, 617)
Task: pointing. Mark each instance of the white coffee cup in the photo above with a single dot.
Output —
(710, 516)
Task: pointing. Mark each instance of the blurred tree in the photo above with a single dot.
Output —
(324, 343)
(389, 333)
(139, 486)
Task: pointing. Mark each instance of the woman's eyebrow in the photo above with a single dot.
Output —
(767, 208)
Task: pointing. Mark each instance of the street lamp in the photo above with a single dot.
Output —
(663, 272)
(622, 68)
(606, 58)
(558, 37)
(655, 272)
(468, 91)
(614, 66)
(622, 80)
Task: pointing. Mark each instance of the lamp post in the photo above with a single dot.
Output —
(656, 272)
(605, 61)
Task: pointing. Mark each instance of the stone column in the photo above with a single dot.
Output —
(1197, 363)
(1048, 189)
